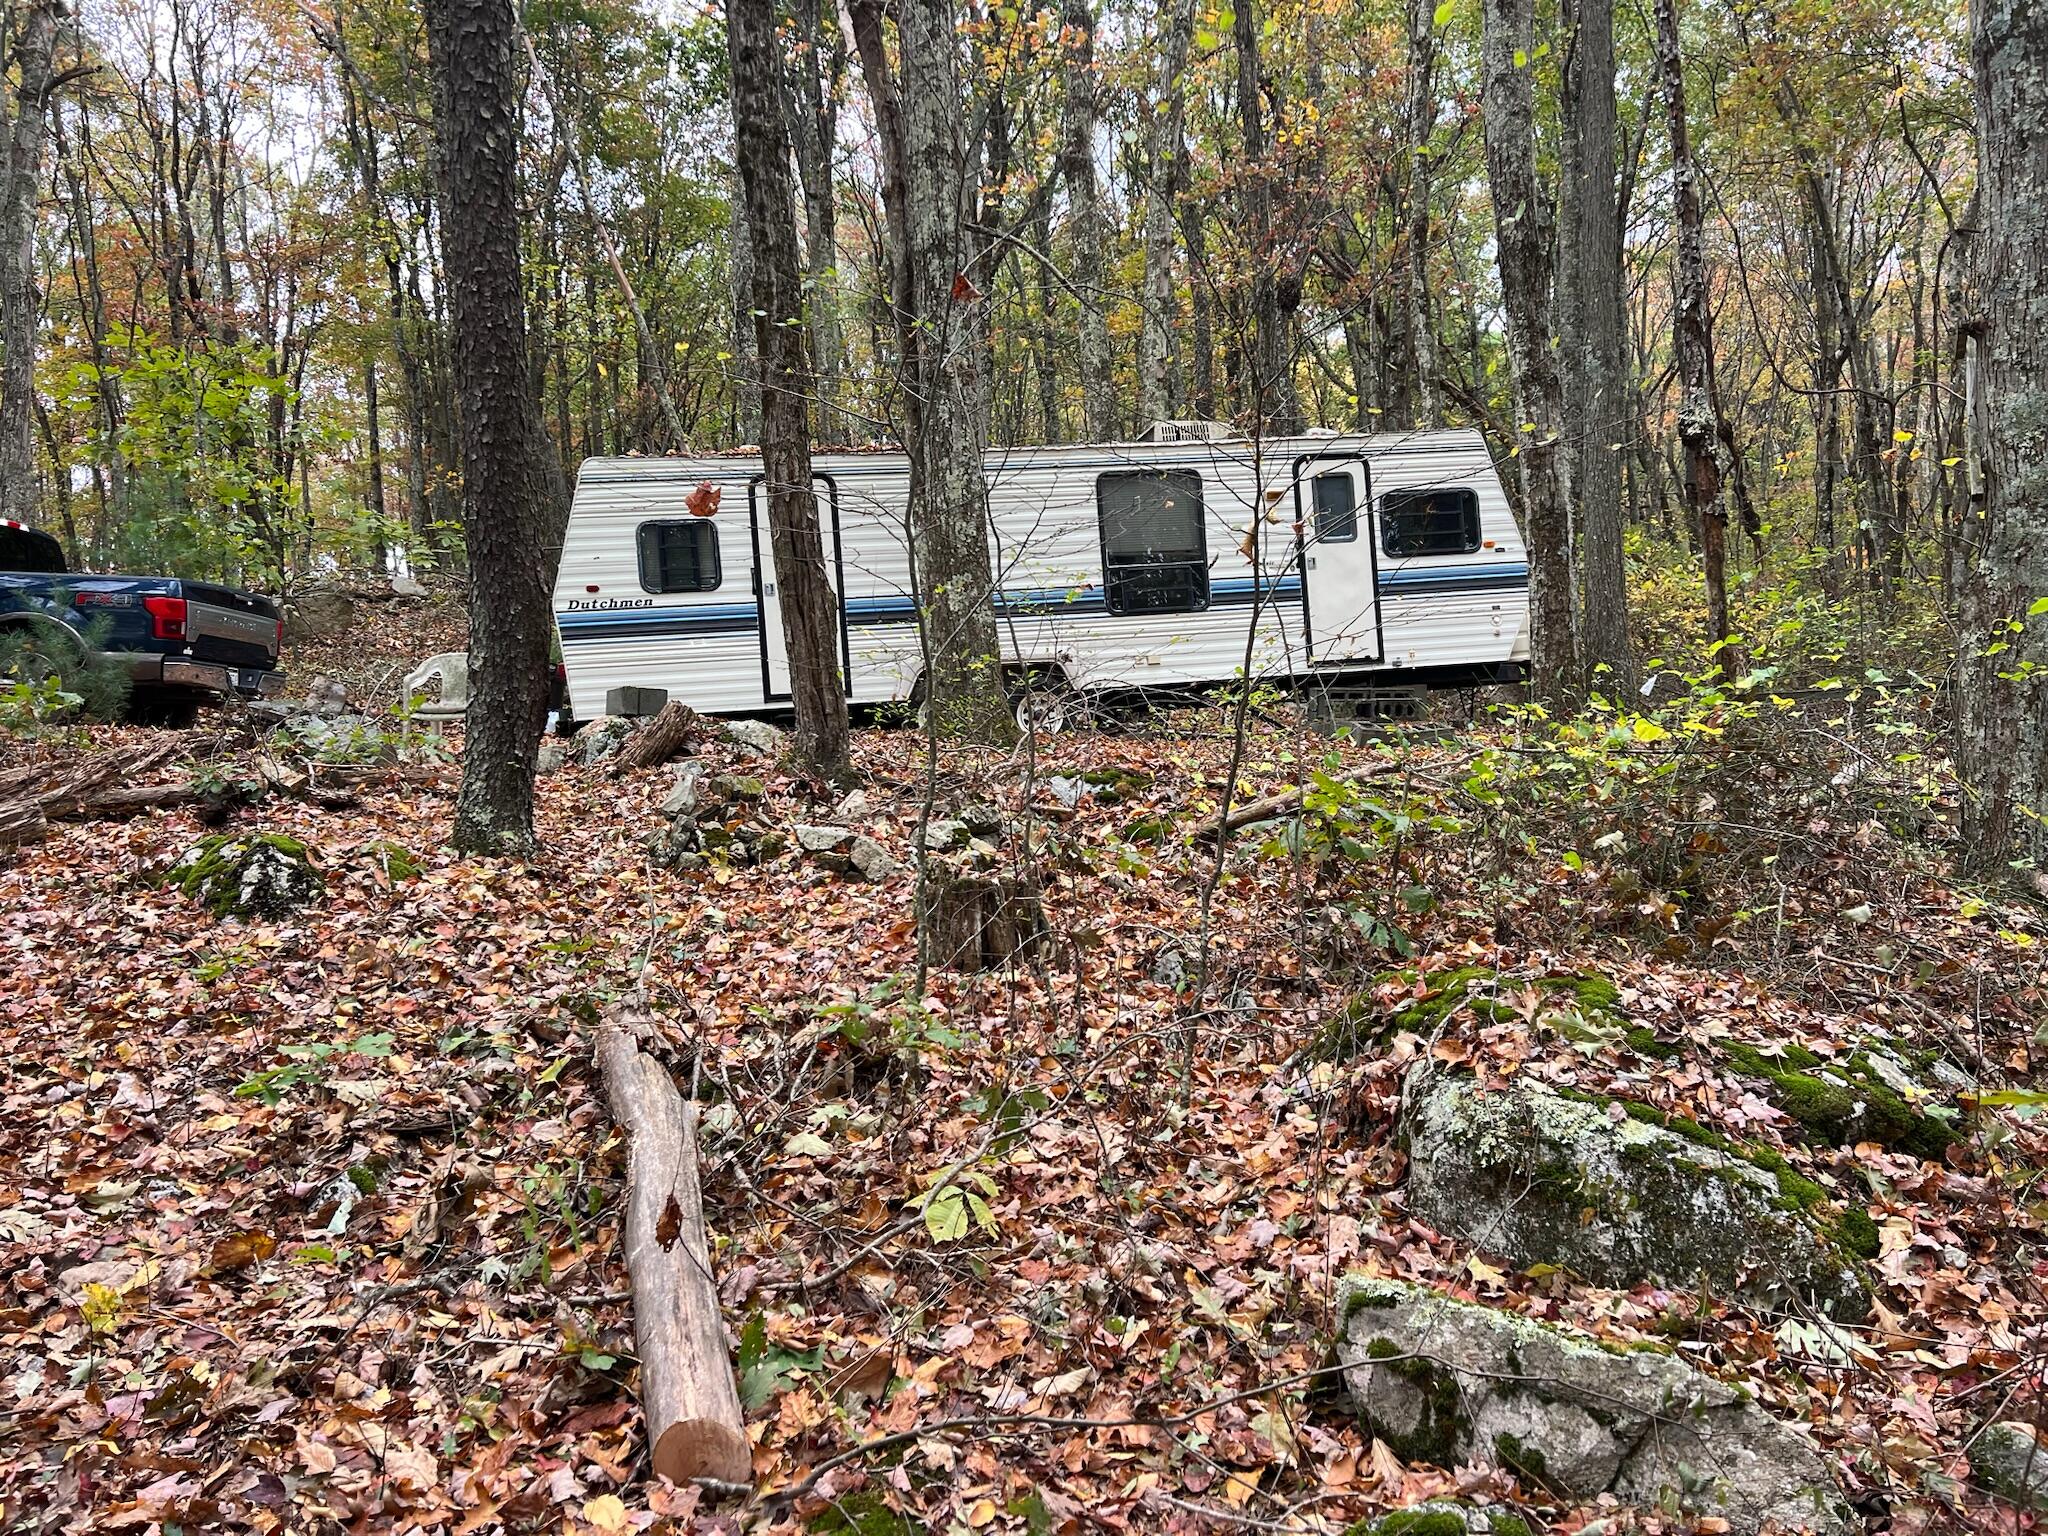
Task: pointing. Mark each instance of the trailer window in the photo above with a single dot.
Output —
(679, 557)
(1443, 522)
(1154, 556)
(1336, 508)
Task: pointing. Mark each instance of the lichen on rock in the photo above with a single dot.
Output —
(246, 874)
(1546, 1178)
(1453, 1382)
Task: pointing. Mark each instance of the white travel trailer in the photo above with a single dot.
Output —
(1383, 560)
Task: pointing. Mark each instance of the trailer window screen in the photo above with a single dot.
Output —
(679, 557)
(1154, 556)
(1444, 522)
(1336, 508)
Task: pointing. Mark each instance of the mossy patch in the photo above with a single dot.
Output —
(1441, 1428)
(1580, 1005)
(1844, 1102)
(394, 860)
(1413, 1522)
(863, 1513)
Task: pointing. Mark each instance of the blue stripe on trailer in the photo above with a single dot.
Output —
(1444, 578)
(625, 623)
(888, 608)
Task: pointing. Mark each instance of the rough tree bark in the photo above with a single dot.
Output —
(1595, 374)
(510, 525)
(1699, 413)
(2002, 727)
(1088, 239)
(21, 175)
(1418, 305)
(1163, 149)
(810, 608)
(928, 197)
(1521, 213)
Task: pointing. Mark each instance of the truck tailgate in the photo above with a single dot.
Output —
(231, 627)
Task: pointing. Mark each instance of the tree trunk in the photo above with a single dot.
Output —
(940, 326)
(510, 529)
(1699, 414)
(1521, 213)
(1419, 305)
(746, 358)
(812, 84)
(1088, 236)
(810, 607)
(1167, 123)
(21, 175)
(2002, 725)
(1270, 395)
(979, 922)
(1595, 376)
(373, 492)
(1201, 363)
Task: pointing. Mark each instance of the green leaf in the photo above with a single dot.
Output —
(2037, 607)
(945, 1215)
(1445, 12)
(1521, 58)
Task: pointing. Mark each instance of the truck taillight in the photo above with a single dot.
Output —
(166, 616)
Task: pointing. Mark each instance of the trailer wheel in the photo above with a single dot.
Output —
(1044, 711)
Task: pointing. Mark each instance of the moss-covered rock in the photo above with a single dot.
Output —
(247, 874)
(1844, 1102)
(1579, 1005)
(1442, 1517)
(1572, 1412)
(1618, 1193)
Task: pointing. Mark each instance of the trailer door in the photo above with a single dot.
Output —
(1339, 558)
(775, 685)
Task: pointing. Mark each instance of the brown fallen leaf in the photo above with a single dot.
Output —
(239, 1250)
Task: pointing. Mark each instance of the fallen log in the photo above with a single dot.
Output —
(662, 738)
(1286, 802)
(687, 1391)
(22, 822)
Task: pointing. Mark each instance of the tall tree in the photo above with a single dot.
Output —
(1165, 125)
(34, 28)
(1417, 300)
(2002, 729)
(1088, 233)
(1270, 390)
(1595, 378)
(511, 528)
(1692, 340)
(940, 324)
(812, 81)
(810, 608)
(1522, 224)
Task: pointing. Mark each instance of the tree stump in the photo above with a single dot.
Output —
(661, 739)
(974, 921)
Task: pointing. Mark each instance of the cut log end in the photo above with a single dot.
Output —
(692, 1448)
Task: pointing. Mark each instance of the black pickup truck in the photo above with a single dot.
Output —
(182, 643)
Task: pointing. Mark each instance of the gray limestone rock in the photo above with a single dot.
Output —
(820, 839)
(682, 799)
(1453, 1382)
(1518, 1170)
(2010, 1459)
(757, 737)
(870, 860)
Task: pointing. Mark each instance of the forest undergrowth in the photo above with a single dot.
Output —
(312, 1223)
